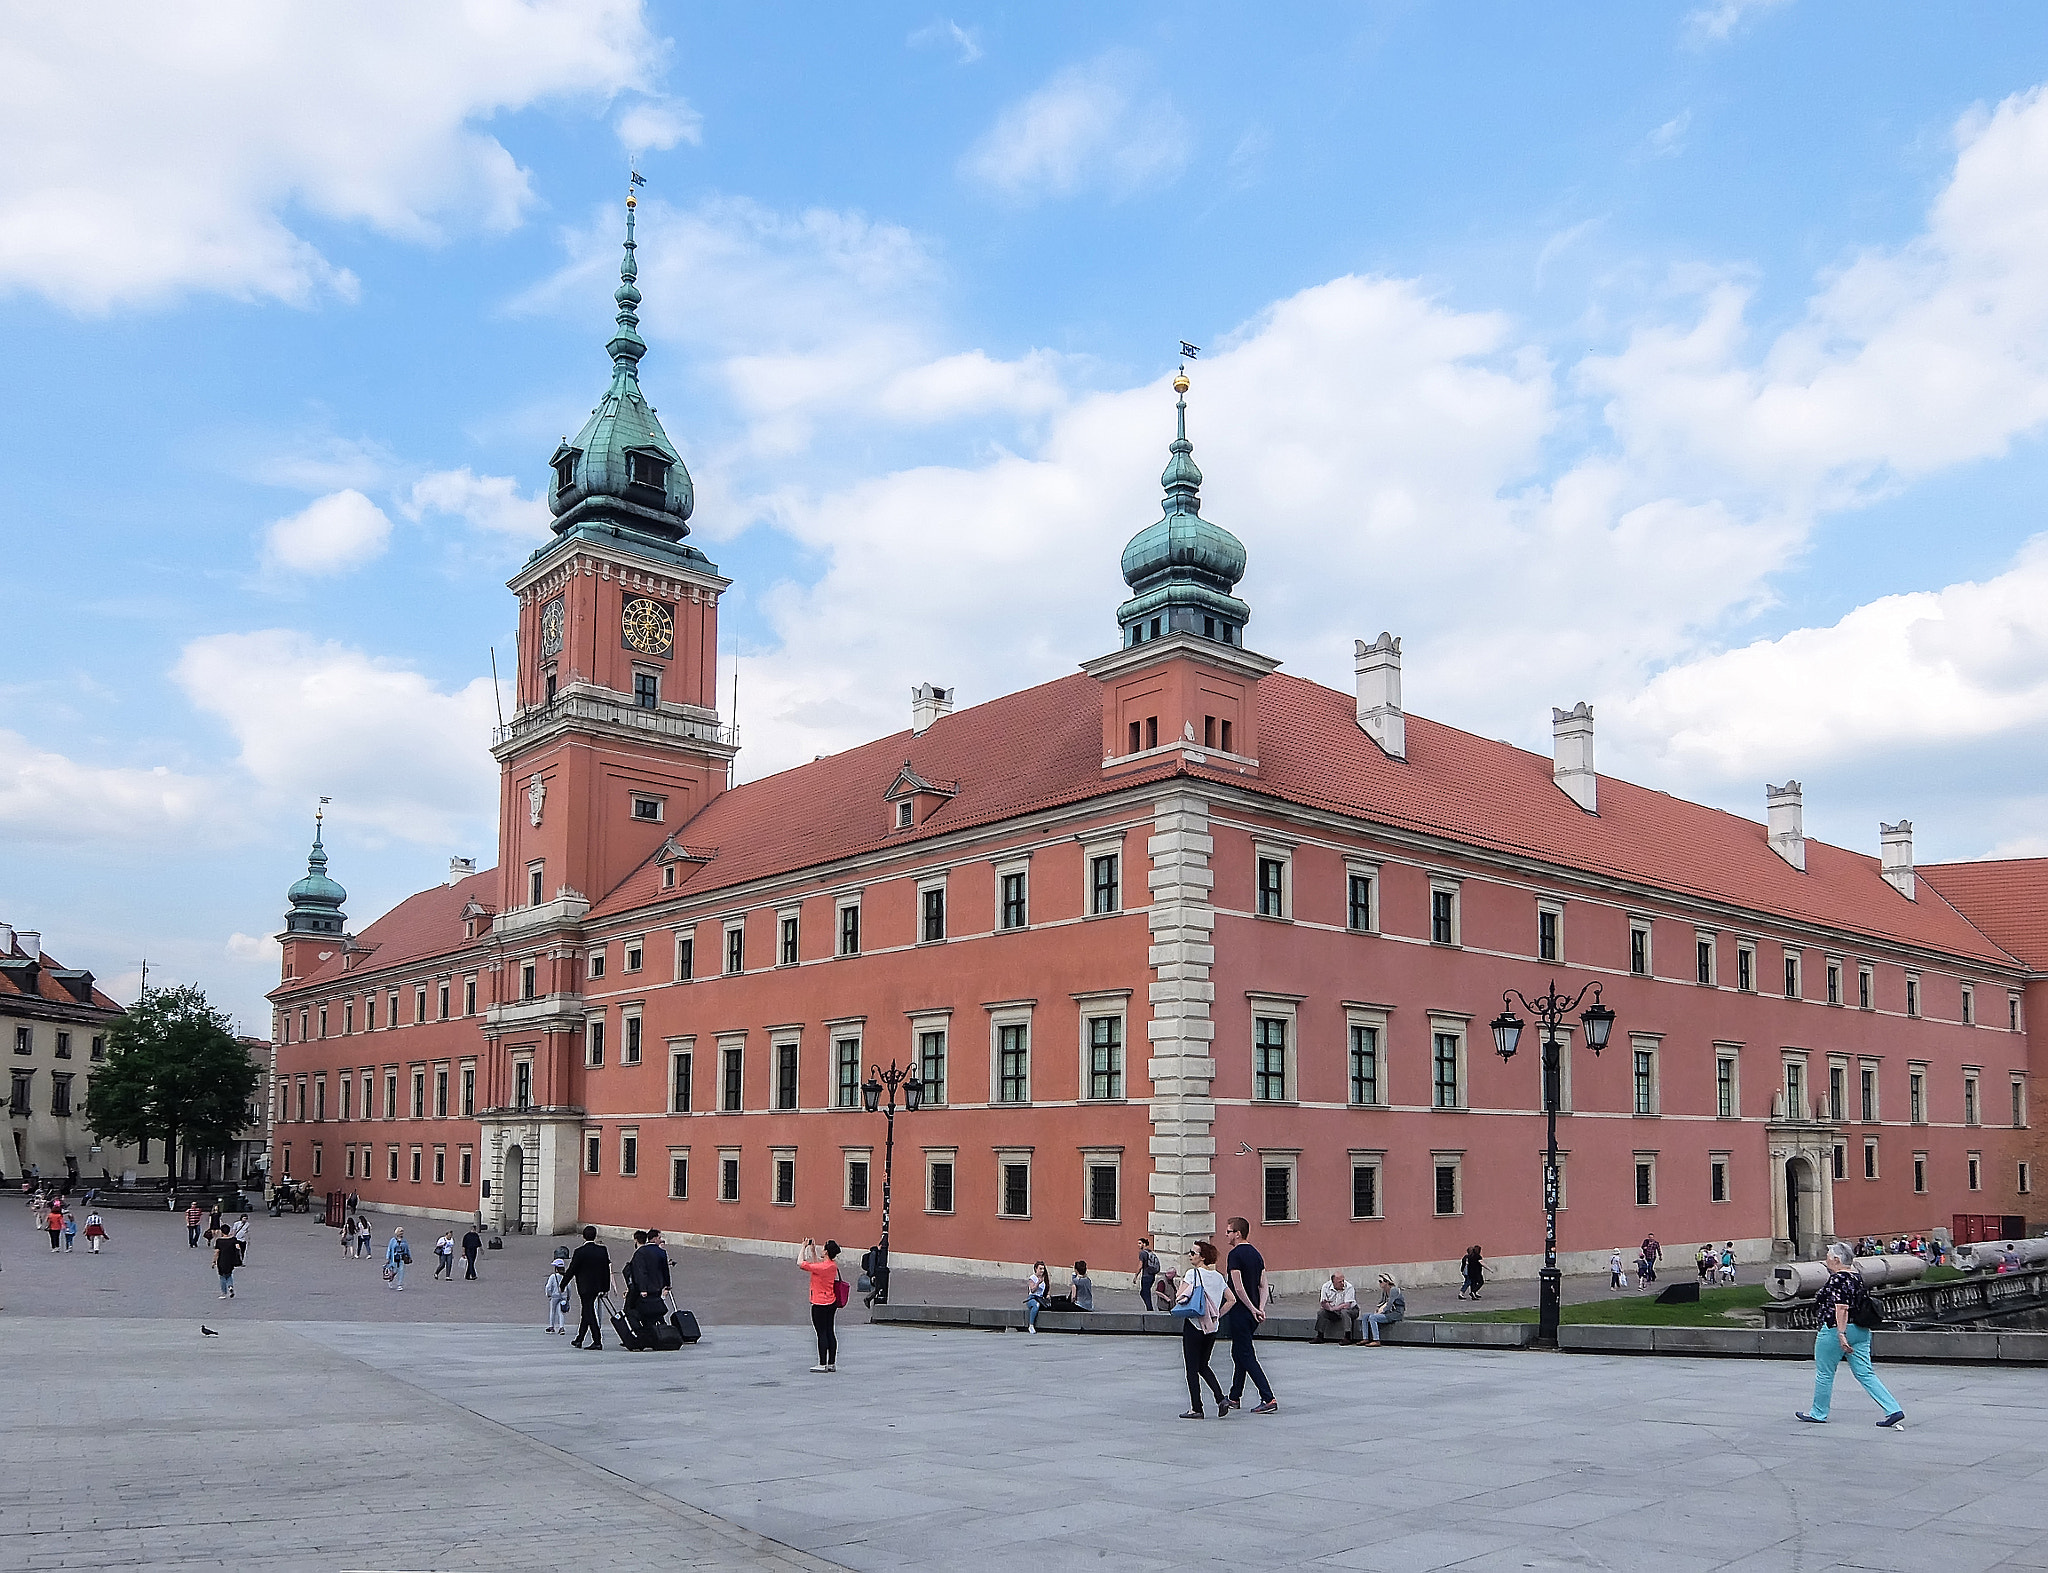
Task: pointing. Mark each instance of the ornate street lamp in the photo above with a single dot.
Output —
(1550, 1010)
(913, 1100)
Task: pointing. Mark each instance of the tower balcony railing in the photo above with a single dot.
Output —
(613, 713)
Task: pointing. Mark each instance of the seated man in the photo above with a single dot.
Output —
(1339, 1309)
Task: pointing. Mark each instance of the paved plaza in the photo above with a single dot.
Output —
(354, 1439)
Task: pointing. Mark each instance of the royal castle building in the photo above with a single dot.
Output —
(1174, 937)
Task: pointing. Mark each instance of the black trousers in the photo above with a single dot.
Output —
(828, 1340)
(1195, 1349)
(1244, 1361)
(590, 1321)
(470, 1258)
(1145, 1290)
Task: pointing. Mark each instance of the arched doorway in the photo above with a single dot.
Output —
(1799, 1219)
(515, 1189)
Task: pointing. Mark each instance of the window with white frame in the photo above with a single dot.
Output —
(846, 1073)
(1870, 1157)
(1101, 1170)
(931, 916)
(736, 946)
(929, 1034)
(1010, 1053)
(1361, 896)
(1916, 1094)
(1791, 974)
(593, 1041)
(1013, 1183)
(1834, 991)
(1973, 1170)
(1105, 1039)
(1969, 1006)
(1795, 1087)
(2019, 1102)
(1920, 1174)
(1727, 1086)
(906, 814)
(728, 1174)
(1643, 1065)
(1866, 984)
(940, 1165)
(1550, 931)
(1972, 1115)
(1368, 1197)
(686, 957)
(1447, 1182)
(1443, 912)
(784, 1162)
(1274, 874)
(1838, 1089)
(629, 1152)
(1104, 865)
(629, 1050)
(1277, 1195)
(1013, 894)
(593, 1152)
(635, 951)
(1704, 957)
(849, 925)
(679, 1174)
(2012, 1013)
(1272, 1053)
(681, 1054)
(786, 1056)
(1717, 1176)
(2025, 1178)
(1646, 1179)
(1447, 1063)
(594, 966)
(1840, 1161)
(1745, 968)
(788, 926)
(860, 1163)
(1367, 1033)
(1866, 1093)
(731, 1074)
(1639, 947)
(1912, 994)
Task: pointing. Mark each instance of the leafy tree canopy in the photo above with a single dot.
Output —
(173, 1070)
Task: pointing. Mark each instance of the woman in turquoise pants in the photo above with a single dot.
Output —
(1839, 1339)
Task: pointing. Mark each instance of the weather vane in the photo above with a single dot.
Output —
(321, 811)
(1187, 353)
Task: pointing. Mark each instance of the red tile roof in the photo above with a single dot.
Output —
(2006, 898)
(46, 986)
(426, 924)
(1042, 747)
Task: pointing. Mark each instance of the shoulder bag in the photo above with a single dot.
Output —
(1196, 1302)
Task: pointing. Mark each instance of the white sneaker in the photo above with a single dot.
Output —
(821, 1368)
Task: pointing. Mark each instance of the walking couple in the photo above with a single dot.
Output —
(1230, 1303)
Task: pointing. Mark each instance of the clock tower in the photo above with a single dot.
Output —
(616, 739)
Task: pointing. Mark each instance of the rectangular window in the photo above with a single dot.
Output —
(417, 1156)
(1724, 1087)
(2026, 1178)
(2019, 1104)
(317, 1155)
(634, 954)
(846, 1073)
(369, 1013)
(1920, 1173)
(1444, 1071)
(1703, 960)
(593, 1152)
(99, 1046)
(522, 1084)
(1841, 1161)
(349, 1163)
(348, 1025)
(931, 1064)
(463, 1167)
(728, 1179)
(849, 931)
(679, 1176)
(1916, 1097)
(1912, 996)
(1365, 1065)
(1102, 1193)
(442, 1001)
(1646, 1181)
(1013, 896)
(346, 1088)
(441, 1093)
(1279, 1193)
(906, 814)
(1869, 1159)
(469, 996)
(731, 1102)
(938, 1186)
(787, 956)
(1365, 1189)
(1443, 917)
(1446, 1190)
(1269, 1059)
(1358, 904)
(629, 1155)
(60, 1096)
(1791, 976)
(933, 901)
(1867, 1079)
(1639, 950)
(2012, 1013)
(319, 1097)
(527, 981)
(1547, 947)
(1717, 1179)
(1837, 1099)
(629, 1053)
(1646, 1081)
(686, 957)
(785, 1075)
(1105, 1057)
(1969, 1006)
(469, 1092)
(391, 1163)
(1103, 883)
(1795, 1090)
(646, 691)
(593, 1043)
(419, 1095)
(1016, 1188)
(1272, 887)
(679, 1081)
(1745, 968)
(1834, 983)
(1013, 1063)
(440, 1165)
(1973, 1164)
(736, 949)
(390, 1096)
(647, 808)
(857, 1183)
(1969, 1100)
(1863, 988)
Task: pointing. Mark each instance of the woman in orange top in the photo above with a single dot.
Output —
(55, 1224)
(823, 1267)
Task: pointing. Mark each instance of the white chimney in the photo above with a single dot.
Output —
(927, 704)
(1571, 733)
(1897, 841)
(6, 939)
(460, 869)
(1379, 694)
(31, 943)
(1785, 808)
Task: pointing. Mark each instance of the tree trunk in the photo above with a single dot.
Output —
(171, 1156)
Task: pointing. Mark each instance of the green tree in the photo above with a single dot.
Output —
(173, 1070)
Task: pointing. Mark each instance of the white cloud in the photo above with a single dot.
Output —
(1098, 126)
(950, 34)
(148, 150)
(332, 534)
(399, 754)
(490, 503)
(251, 947)
(47, 798)
(1668, 139)
(1719, 20)
(658, 124)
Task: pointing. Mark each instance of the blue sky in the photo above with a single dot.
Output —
(1690, 359)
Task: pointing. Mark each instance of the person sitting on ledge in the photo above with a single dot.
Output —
(1338, 1312)
(1392, 1307)
(1081, 1297)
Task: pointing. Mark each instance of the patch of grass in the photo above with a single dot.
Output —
(1712, 1310)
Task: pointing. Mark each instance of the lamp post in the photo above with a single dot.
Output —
(1550, 1010)
(913, 1100)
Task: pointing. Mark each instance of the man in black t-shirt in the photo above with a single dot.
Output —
(1245, 1270)
(472, 1242)
(591, 1268)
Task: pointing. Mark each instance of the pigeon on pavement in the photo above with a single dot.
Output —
(210, 1333)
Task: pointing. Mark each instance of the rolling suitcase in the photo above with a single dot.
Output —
(628, 1334)
(685, 1324)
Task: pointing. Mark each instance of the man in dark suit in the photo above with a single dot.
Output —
(647, 1277)
(591, 1268)
(472, 1243)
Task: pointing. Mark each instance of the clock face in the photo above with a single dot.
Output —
(648, 627)
(551, 627)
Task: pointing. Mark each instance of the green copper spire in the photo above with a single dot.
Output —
(621, 478)
(1182, 569)
(316, 900)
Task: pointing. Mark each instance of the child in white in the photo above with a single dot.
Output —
(558, 1298)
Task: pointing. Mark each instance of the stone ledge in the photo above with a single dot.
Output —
(1286, 1329)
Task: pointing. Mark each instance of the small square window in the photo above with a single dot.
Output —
(647, 808)
(1102, 1193)
(906, 811)
(597, 964)
(1016, 1189)
(1279, 1193)
(633, 957)
(647, 694)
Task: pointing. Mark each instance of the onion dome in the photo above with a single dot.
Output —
(620, 476)
(316, 900)
(1182, 569)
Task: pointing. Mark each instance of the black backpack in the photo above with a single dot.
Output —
(1864, 1311)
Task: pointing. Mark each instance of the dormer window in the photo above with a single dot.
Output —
(565, 472)
(647, 469)
(904, 812)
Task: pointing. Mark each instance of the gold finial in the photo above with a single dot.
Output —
(1180, 381)
(631, 200)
